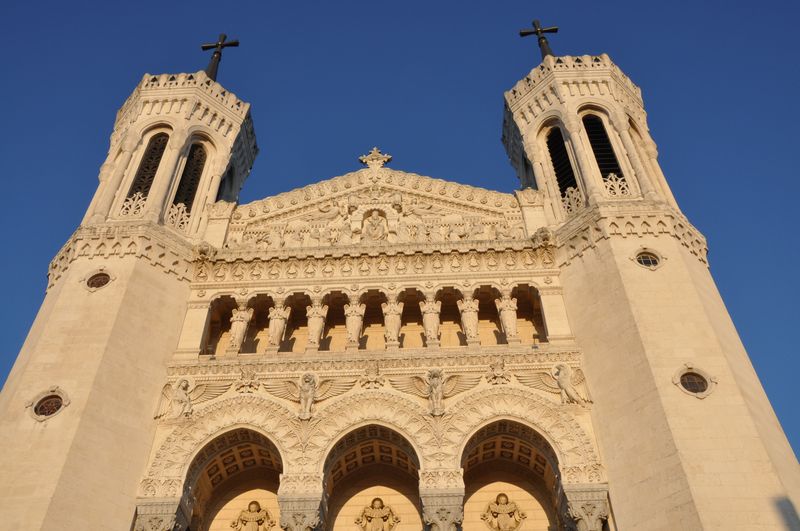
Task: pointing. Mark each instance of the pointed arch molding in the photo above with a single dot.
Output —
(438, 441)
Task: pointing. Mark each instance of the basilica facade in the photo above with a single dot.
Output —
(387, 351)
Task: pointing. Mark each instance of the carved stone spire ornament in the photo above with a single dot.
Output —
(375, 159)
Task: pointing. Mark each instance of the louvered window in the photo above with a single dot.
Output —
(562, 165)
(601, 146)
(190, 179)
(149, 165)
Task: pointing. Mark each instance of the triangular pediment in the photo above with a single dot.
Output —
(375, 206)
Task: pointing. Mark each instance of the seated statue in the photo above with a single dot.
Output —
(377, 517)
(503, 515)
(254, 518)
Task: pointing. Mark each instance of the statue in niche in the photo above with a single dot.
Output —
(392, 319)
(179, 401)
(316, 314)
(240, 320)
(375, 227)
(507, 308)
(503, 514)
(435, 387)
(277, 324)
(377, 517)
(561, 380)
(430, 318)
(469, 317)
(354, 321)
(254, 518)
(308, 391)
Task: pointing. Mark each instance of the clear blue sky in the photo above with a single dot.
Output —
(424, 81)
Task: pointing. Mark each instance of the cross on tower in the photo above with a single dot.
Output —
(213, 64)
(539, 31)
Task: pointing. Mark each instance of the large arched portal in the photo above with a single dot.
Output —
(368, 463)
(511, 479)
(230, 472)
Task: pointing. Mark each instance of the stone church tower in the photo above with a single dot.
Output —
(387, 351)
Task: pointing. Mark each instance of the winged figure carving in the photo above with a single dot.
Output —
(308, 391)
(435, 387)
(561, 380)
(178, 401)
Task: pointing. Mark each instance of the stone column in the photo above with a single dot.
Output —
(645, 184)
(585, 167)
(586, 506)
(507, 308)
(554, 312)
(354, 322)
(169, 514)
(240, 322)
(156, 197)
(652, 154)
(195, 327)
(392, 321)
(442, 495)
(300, 502)
(278, 315)
(469, 320)
(430, 320)
(316, 314)
(110, 185)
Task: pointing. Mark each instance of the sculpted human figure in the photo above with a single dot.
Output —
(316, 314)
(354, 321)
(277, 324)
(392, 314)
(240, 320)
(430, 319)
(375, 227)
(436, 392)
(181, 402)
(503, 515)
(507, 308)
(254, 518)
(469, 317)
(377, 517)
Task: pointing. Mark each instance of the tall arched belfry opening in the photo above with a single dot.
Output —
(387, 351)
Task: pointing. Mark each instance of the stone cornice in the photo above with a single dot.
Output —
(634, 218)
(402, 361)
(159, 246)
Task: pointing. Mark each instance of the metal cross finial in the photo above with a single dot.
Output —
(213, 64)
(539, 31)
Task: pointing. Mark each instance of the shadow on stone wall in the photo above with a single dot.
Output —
(789, 513)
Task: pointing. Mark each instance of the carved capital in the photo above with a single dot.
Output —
(165, 515)
(299, 514)
(443, 512)
(587, 507)
(450, 480)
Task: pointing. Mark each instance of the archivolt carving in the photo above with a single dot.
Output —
(572, 445)
(395, 412)
(174, 456)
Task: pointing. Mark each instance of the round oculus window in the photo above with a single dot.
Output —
(648, 259)
(48, 406)
(98, 280)
(694, 383)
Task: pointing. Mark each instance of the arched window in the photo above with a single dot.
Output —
(149, 165)
(562, 165)
(601, 146)
(190, 179)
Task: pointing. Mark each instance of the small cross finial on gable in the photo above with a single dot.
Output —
(375, 159)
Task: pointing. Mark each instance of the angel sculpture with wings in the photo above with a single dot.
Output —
(559, 381)
(308, 391)
(435, 387)
(179, 402)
